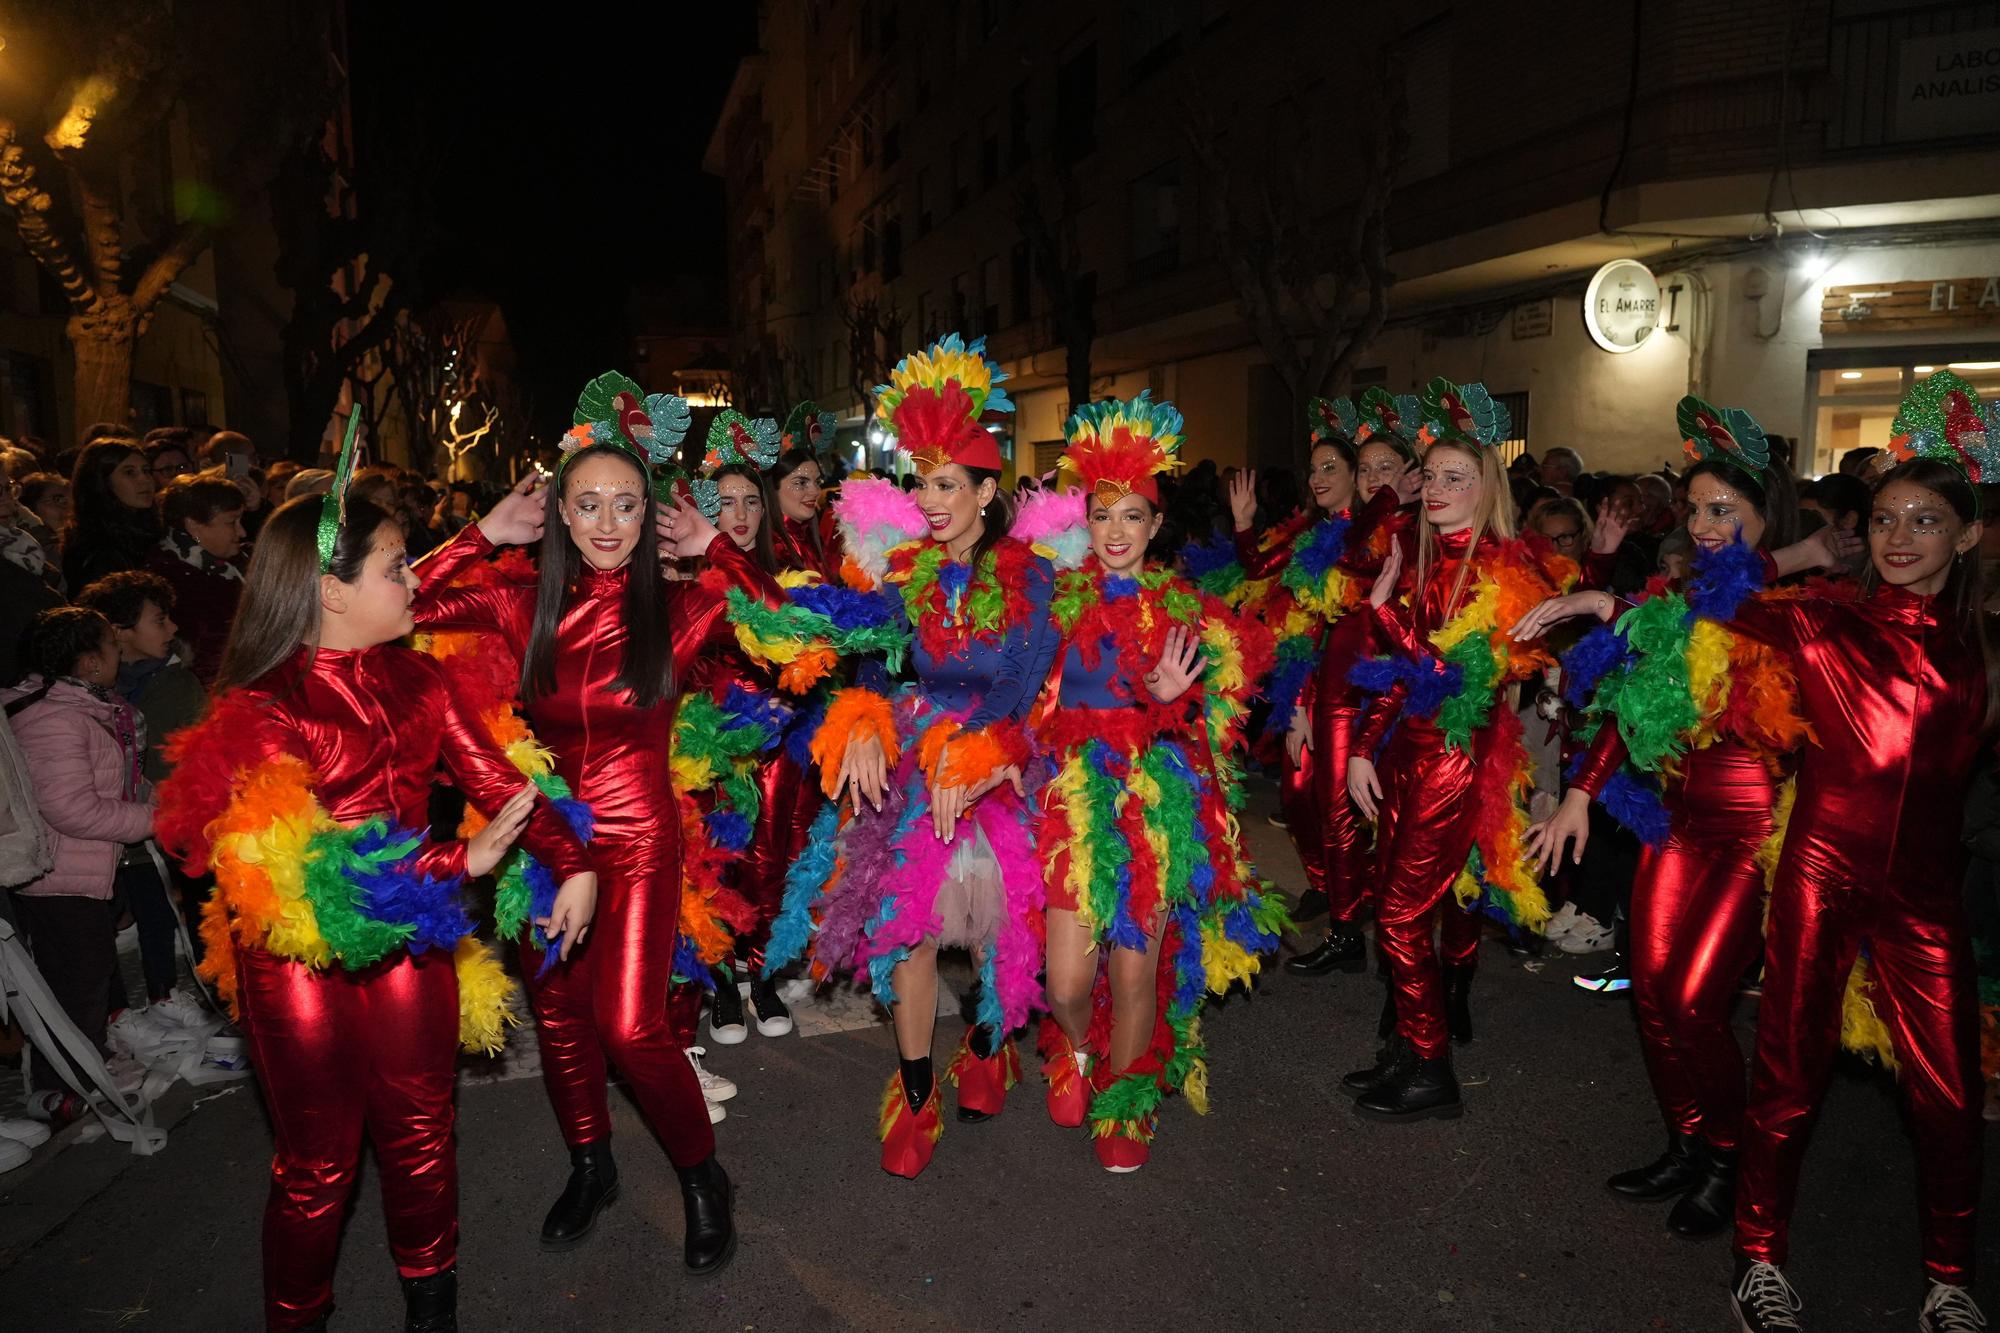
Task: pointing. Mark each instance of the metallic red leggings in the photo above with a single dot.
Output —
(1342, 831)
(1697, 912)
(789, 801)
(1926, 993)
(1422, 839)
(1302, 816)
(336, 1053)
(609, 1002)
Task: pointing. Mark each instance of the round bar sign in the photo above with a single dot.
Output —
(1621, 307)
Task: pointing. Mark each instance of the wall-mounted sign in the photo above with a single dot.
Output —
(1919, 306)
(1534, 319)
(1947, 86)
(1621, 307)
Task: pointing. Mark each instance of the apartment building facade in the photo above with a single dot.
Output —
(1599, 207)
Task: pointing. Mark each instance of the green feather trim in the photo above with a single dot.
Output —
(1132, 1097)
(331, 868)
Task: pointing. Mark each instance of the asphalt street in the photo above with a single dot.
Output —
(1280, 1209)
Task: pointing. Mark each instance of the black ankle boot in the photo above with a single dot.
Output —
(1414, 1090)
(1388, 1062)
(1710, 1203)
(1343, 950)
(1386, 1024)
(430, 1304)
(593, 1184)
(1458, 1001)
(711, 1233)
(1663, 1178)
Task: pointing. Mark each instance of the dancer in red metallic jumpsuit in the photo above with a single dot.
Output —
(337, 922)
(604, 642)
(1722, 727)
(1450, 778)
(1897, 690)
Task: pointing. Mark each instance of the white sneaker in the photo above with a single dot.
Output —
(1561, 924)
(28, 1133)
(713, 1085)
(13, 1154)
(183, 1010)
(716, 1115)
(1949, 1310)
(1588, 935)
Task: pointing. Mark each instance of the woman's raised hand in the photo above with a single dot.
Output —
(1243, 499)
(517, 520)
(1179, 666)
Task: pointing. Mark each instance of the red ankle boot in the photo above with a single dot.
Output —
(982, 1084)
(1069, 1089)
(908, 1137)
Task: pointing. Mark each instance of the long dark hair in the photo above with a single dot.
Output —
(279, 608)
(96, 517)
(998, 513)
(789, 462)
(1775, 494)
(766, 558)
(648, 668)
(1963, 589)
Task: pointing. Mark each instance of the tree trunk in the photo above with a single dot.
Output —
(103, 341)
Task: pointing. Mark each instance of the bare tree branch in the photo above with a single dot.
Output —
(21, 192)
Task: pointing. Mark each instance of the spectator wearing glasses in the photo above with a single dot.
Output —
(1565, 524)
(169, 453)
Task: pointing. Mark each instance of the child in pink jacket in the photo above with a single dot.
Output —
(82, 744)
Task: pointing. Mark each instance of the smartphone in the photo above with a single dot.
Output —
(239, 467)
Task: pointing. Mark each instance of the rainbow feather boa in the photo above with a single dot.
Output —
(293, 882)
(1672, 677)
(1474, 657)
(717, 750)
(1457, 686)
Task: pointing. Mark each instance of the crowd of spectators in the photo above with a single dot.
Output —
(121, 561)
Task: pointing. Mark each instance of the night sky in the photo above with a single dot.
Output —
(576, 138)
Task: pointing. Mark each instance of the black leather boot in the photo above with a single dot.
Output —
(430, 1304)
(1458, 1001)
(1710, 1203)
(1386, 1024)
(1416, 1089)
(1343, 950)
(593, 1184)
(1388, 1061)
(1663, 1178)
(706, 1196)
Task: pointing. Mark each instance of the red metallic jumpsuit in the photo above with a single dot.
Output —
(1895, 691)
(609, 1001)
(1425, 825)
(337, 1052)
(1697, 913)
(1327, 830)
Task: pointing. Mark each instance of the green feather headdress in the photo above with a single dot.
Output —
(1726, 433)
(333, 506)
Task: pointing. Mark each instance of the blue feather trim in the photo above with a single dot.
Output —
(1722, 580)
(792, 931)
(395, 891)
(1595, 655)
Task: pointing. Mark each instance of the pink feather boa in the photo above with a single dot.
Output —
(876, 516)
